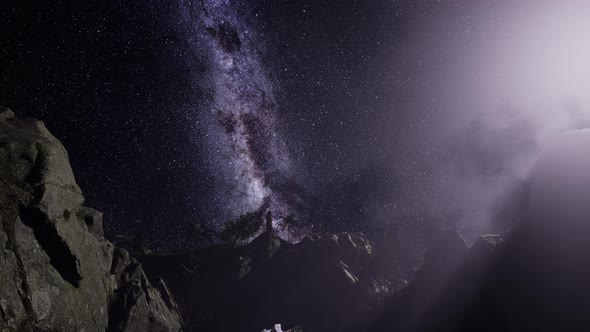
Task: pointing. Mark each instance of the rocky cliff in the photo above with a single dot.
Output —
(57, 271)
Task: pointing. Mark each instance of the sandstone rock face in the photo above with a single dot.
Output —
(57, 271)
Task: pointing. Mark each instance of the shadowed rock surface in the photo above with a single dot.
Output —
(324, 283)
(520, 281)
(533, 278)
(57, 271)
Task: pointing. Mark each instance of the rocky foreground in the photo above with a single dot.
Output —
(57, 271)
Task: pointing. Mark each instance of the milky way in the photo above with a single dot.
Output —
(248, 155)
(352, 115)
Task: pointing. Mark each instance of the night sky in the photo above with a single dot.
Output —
(351, 115)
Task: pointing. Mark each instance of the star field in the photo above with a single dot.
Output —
(352, 115)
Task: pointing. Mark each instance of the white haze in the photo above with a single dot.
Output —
(528, 78)
(503, 79)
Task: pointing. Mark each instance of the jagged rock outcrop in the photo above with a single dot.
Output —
(524, 280)
(323, 283)
(137, 305)
(407, 310)
(57, 271)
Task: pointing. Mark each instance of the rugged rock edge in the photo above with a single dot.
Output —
(57, 271)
